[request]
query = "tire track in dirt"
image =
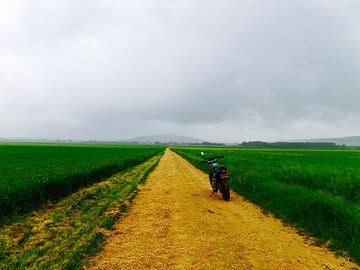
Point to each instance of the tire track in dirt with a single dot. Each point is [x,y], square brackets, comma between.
[174,224]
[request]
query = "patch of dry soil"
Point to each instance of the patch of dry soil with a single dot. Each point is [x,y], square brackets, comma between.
[174,224]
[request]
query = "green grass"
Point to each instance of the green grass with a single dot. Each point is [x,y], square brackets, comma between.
[30,175]
[317,190]
[64,235]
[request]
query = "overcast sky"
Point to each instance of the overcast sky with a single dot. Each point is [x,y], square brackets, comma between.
[218,70]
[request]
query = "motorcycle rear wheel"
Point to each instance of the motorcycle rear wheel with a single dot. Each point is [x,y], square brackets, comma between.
[225,191]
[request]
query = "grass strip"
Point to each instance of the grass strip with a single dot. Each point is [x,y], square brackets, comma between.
[63,235]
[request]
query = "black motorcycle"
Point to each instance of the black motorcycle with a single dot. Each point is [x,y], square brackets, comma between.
[218,176]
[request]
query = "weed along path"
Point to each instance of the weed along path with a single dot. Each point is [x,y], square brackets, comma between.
[174,224]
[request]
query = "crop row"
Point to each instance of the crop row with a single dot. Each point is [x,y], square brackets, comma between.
[30,175]
[66,234]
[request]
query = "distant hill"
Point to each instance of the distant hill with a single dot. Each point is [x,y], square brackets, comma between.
[348,141]
[166,139]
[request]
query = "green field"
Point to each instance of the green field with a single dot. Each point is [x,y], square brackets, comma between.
[33,174]
[317,190]
[65,234]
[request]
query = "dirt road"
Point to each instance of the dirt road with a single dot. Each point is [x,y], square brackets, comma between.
[174,224]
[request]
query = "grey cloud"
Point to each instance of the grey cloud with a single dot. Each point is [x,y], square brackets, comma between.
[254,70]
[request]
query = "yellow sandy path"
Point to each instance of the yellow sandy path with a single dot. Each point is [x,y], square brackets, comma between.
[174,224]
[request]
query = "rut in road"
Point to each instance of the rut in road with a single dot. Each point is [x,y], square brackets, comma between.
[174,224]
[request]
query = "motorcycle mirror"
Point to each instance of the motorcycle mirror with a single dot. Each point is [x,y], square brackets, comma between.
[202,153]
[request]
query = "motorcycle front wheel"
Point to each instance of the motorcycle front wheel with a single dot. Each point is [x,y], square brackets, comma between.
[213,183]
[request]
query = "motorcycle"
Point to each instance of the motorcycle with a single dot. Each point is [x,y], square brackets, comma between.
[218,176]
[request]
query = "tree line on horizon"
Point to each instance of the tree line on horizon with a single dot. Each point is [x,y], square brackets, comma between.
[306,145]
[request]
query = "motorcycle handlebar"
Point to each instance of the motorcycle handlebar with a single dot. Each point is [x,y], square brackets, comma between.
[213,159]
